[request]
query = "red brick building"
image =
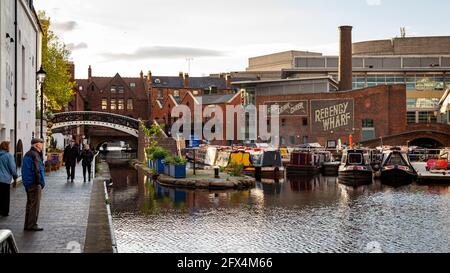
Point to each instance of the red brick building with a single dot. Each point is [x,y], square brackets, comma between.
[313,111]
[125,96]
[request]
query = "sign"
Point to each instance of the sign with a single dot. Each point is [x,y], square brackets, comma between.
[335,116]
[290,108]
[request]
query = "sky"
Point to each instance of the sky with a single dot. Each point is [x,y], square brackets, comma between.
[212,36]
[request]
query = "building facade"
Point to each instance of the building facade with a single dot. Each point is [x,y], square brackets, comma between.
[20,58]
[313,111]
[126,96]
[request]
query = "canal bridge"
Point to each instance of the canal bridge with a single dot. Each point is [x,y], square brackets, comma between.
[130,126]
[424,135]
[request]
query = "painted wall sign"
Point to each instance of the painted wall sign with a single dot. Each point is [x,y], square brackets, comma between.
[332,115]
[290,108]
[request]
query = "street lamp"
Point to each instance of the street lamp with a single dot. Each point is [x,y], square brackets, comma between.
[41,74]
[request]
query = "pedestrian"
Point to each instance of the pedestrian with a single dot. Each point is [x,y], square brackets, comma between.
[8,173]
[70,157]
[34,181]
[87,156]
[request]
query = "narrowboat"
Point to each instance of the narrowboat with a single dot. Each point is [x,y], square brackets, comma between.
[304,162]
[355,169]
[268,164]
[396,168]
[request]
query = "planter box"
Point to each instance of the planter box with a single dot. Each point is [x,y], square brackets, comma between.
[159,166]
[178,171]
[167,170]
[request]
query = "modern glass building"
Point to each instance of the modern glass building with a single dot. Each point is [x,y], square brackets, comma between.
[426,78]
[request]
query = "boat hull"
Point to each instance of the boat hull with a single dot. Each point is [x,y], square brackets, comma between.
[305,170]
[331,169]
[355,177]
[397,177]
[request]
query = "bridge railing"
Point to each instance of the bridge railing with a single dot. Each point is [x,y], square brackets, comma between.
[7,243]
[96,117]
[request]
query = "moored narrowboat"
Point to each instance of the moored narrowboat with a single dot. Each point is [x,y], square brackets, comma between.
[355,168]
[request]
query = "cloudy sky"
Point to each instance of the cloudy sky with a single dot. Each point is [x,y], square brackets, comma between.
[219,36]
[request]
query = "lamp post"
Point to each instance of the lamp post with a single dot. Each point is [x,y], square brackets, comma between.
[41,74]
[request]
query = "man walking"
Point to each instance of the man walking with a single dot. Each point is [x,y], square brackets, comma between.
[34,181]
[70,157]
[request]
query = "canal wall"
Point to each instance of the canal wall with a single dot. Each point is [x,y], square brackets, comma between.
[100,234]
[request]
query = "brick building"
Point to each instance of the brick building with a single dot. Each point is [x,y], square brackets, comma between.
[169,92]
[127,96]
[313,111]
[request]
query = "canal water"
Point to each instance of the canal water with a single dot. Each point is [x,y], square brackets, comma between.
[296,215]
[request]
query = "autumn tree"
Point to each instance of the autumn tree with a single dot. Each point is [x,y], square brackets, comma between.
[58,86]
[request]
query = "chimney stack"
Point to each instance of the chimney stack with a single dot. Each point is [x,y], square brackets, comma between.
[149,77]
[345,59]
[90,73]
[228,80]
[142,75]
[186,80]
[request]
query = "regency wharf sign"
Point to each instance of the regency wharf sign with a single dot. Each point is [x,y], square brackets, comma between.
[332,115]
[290,108]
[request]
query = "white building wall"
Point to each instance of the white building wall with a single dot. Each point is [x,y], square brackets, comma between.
[28,59]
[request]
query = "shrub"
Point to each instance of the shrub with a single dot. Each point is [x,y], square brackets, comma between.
[236,169]
[175,160]
[159,153]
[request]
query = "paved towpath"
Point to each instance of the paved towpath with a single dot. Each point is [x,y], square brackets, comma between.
[63,215]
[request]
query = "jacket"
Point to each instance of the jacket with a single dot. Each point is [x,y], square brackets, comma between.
[33,169]
[7,168]
[87,156]
[71,155]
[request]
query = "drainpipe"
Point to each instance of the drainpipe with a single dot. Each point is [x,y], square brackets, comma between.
[15,77]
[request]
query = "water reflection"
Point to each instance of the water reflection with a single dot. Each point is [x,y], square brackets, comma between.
[296,214]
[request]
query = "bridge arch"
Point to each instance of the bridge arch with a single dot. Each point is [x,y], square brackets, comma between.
[121,123]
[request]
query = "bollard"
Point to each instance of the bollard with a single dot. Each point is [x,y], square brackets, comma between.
[216,172]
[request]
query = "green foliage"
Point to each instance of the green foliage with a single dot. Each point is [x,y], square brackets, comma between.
[236,169]
[158,153]
[58,85]
[151,133]
[175,160]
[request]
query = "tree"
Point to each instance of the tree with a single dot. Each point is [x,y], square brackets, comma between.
[58,86]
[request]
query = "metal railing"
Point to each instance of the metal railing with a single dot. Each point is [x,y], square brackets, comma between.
[7,242]
[94,165]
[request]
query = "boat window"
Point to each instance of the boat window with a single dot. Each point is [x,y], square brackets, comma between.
[355,159]
[395,159]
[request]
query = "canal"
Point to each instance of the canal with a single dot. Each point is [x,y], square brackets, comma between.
[296,215]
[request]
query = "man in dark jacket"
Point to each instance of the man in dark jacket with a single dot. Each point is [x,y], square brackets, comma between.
[70,157]
[87,155]
[34,181]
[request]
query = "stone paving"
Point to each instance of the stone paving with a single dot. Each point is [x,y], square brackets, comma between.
[64,215]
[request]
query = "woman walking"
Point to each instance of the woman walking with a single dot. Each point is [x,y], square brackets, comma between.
[7,174]
[87,156]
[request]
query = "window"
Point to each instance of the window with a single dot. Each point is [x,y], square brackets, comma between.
[104,104]
[282,141]
[130,104]
[427,117]
[24,88]
[355,159]
[121,89]
[305,140]
[195,92]
[213,89]
[113,104]
[368,123]
[113,89]
[121,104]
[160,94]
[176,93]
[412,103]
[283,122]
[132,84]
[305,121]
[411,117]
[292,140]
